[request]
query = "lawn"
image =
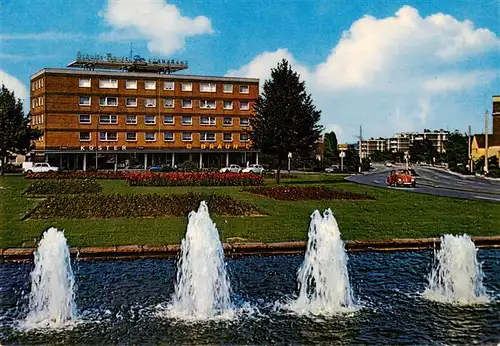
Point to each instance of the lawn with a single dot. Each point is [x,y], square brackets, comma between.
[394,214]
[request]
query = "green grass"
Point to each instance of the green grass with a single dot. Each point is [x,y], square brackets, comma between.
[394,214]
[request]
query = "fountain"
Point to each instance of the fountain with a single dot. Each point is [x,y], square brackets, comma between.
[51,301]
[457,276]
[323,278]
[202,287]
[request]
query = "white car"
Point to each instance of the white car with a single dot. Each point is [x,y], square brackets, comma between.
[231,168]
[40,167]
[257,169]
[332,168]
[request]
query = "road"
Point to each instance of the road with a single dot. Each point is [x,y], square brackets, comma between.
[438,182]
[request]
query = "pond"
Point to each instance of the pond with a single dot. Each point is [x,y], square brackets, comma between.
[120,301]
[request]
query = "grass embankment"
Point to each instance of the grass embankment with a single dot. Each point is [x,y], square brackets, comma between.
[394,214]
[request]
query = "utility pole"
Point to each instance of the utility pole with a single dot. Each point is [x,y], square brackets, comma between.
[469,152]
[486,142]
[360,151]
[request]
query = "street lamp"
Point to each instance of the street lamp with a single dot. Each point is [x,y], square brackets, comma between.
[486,142]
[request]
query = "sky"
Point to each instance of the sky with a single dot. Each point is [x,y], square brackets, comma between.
[388,66]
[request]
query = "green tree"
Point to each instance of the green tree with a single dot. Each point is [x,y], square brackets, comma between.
[423,151]
[16,135]
[286,120]
[331,152]
[456,150]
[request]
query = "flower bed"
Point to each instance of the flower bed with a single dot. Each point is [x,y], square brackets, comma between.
[99,206]
[78,175]
[67,186]
[194,179]
[294,193]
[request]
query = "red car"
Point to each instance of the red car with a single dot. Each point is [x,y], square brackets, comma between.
[401,178]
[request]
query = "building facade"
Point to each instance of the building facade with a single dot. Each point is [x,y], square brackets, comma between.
[478,146]
[102,118]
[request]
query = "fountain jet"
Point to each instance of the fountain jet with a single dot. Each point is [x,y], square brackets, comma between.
[323,279]
[52,297]
[202,289]
[457,276]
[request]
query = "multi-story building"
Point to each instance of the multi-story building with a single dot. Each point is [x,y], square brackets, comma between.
[114,112]
[402,141]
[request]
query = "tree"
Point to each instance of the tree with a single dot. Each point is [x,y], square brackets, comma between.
[16,135]
[286,120]
[423,151]
[331,152]
[456,150]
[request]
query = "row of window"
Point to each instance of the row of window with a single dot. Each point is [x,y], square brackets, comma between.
[168,136]
[112,101]
[167,120]
[110,83]
[37,101]
[37,84]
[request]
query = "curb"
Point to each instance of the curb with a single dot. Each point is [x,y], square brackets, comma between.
[235,250]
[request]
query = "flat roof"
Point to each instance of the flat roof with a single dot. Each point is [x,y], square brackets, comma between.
[126,74]
[167,66]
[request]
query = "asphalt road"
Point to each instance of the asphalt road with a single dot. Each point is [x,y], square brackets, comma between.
[437,182]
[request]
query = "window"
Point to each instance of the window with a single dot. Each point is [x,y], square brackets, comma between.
[168,85]
[131,102]
[243,137]
[108,83]
[207,121]
[227,121]
[131,119]
[168,120]
[84,136]
[187,136]
[207,137]
[108,136]
[208,87]
[41,83]
[131,136]
[187,86]
[244,122]
[150,102]
[228,88]
[168,103]
[244,105]
[149,120]
[150,84]
[187,121]
[227,137]
[228,105]
[168,136]
[244,89]
[108,119]
[207,104]
[150,136]
[187,103]
[84,119]
[131,84]
[84,100]
[32,86]
[108,101]
[84,83]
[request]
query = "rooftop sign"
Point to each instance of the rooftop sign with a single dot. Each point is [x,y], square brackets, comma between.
[132,63]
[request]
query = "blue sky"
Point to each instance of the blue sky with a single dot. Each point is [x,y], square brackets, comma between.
[387,65]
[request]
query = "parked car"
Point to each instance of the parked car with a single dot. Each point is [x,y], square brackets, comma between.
[255,168]
[30,167]
[388,164]
[401,178]
[231,168]
[332,168]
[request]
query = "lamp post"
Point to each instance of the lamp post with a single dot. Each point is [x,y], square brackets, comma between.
[486,142]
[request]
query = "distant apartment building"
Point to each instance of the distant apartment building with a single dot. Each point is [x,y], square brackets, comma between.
[403,141]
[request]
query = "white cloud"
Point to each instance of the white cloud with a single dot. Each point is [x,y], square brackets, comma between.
[15,85]
[156,21]
[393,74]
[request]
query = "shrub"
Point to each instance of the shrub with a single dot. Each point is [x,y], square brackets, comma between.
[99,206]
[78,175]
[294,193]
[67,186]
[194,179]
